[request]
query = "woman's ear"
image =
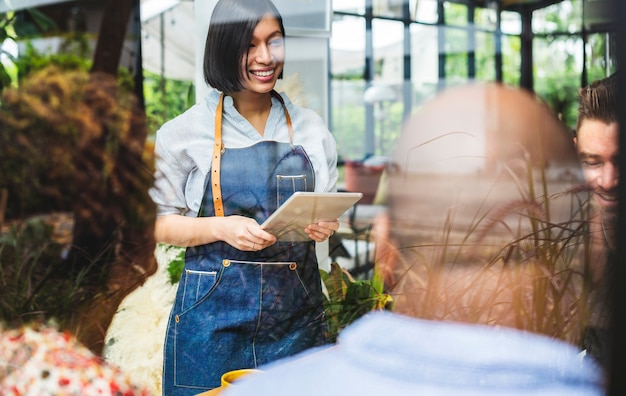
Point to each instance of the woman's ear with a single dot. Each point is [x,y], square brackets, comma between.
[386,253]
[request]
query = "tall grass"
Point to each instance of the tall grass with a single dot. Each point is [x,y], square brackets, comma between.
[518,255]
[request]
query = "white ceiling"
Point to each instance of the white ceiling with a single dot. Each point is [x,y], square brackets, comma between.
[175,55]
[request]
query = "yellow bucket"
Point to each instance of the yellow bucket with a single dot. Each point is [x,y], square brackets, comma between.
[230,377]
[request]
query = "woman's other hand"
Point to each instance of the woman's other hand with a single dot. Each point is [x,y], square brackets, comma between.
[322,231]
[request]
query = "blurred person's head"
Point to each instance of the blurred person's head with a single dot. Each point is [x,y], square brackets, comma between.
[483,225]
[597,143]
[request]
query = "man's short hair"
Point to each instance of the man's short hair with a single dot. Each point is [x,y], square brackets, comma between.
[598,101]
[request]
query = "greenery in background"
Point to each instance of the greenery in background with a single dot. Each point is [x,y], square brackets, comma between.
[32,60]
[165,99]
[514,262]
[71,144]
[12,28]
[557,69]
[34,278]
[348,299]
[74,51]
[177,264]
[348,123]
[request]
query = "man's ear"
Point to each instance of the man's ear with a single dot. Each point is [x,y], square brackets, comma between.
[575,142]
[386,254]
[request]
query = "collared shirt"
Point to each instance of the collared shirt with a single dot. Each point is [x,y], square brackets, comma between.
[184,146]
[389,354]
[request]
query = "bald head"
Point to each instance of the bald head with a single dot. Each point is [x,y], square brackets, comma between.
[481,210]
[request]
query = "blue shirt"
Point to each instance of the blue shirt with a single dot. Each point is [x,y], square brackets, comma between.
[184,146]
[389,354]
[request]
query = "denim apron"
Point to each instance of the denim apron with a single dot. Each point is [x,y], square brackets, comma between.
[236,309]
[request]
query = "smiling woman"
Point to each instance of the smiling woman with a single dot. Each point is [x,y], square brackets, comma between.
[264,148]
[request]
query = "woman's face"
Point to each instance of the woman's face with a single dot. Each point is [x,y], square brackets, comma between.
[265,58]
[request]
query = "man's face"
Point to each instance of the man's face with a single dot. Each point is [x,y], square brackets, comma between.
[597,145]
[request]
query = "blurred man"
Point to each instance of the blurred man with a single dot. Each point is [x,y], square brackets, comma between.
[482,250]
[597,144]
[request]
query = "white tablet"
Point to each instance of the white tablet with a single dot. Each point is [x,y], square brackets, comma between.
[287,223]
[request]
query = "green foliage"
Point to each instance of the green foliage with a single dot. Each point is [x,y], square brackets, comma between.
[348,127]
[177,264]
[165,99]
[349,299]
[561,94]
[44,128]
[12,28]
[513,262]
[35,282]
[32,60]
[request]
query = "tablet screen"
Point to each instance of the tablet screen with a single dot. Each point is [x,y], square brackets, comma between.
[287,223]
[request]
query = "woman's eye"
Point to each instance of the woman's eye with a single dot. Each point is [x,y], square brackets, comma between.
[276,42]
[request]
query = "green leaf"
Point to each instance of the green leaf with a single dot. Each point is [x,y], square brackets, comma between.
[5,79]
[191,95]
[42,20]
[349,299]
[176,266]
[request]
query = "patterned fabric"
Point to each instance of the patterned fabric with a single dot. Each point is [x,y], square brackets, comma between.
[44,361]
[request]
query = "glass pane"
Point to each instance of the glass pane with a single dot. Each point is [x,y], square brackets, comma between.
[456,14]
[485,18]
[388,8]
[456,47]
[348,117]
[485,57]
[511,60]
[389,76]
[565,16]
[601,54]
[388,37]
[424,62]
[510,22]
[347,46]
[557,77]
[424,10]
[351,6]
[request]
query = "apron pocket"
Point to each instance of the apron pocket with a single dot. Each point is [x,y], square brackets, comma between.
[250,313]
[196,285]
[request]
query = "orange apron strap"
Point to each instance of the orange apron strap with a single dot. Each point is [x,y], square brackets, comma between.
[218,149]
[287,116]
[215,164]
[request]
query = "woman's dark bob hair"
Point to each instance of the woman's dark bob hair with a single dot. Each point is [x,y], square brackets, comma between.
[230,31]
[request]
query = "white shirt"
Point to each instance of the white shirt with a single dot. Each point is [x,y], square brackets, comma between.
[184,146]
